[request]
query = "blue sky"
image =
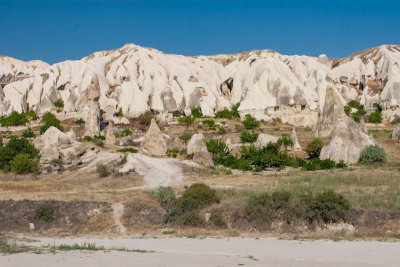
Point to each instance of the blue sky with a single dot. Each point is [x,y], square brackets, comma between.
[54,30]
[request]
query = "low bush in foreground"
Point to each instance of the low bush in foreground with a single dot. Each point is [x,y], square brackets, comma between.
[102,170]
[323,164]
[23,163]
[372,154]
[185,208]
[129,149]
[314,148]
[324,207]
[44,213]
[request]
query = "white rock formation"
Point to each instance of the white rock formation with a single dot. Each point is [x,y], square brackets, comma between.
[153,142]
[54,144]
[264,139]
[199,150]
[293,137]
[346,142]
[396,133]
[92,119]
[267,84]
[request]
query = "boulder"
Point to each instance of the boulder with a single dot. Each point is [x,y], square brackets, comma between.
[396,133]
[153,142]
[196,144]
[333,108]
[264,139]
[293,137]
[346,142]
[51,143]
[199,150]
[110,137]
[92,119]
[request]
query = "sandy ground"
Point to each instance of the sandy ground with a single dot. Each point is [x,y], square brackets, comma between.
[215,252]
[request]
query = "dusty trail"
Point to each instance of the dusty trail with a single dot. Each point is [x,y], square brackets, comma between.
[215,252]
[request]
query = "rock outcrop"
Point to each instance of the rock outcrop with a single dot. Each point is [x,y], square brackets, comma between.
[199,150]
[293,137]
[396,133]
[110,137]
[264,139]
[268,85]
[92,119]
[346,142]
[54,144]
[333,109]
[153,142]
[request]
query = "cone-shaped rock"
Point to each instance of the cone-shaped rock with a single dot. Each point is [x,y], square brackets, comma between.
[346,142]
[264,139]
[153,142]
[199,150]
[333,108]
[293,137]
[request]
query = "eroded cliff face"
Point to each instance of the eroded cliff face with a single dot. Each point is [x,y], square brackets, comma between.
[267,84]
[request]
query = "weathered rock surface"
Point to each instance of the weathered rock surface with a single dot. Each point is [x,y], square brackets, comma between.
[396,133]
[267,84]
[92,119]
[110,137]
[153,142]
[332,110]
[346,142]
[293,137]
[264,139]
[199,150]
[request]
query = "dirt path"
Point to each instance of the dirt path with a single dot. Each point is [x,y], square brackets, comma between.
[215,252]
[118,211]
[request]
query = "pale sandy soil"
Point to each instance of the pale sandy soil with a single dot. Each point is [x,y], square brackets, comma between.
[214,252]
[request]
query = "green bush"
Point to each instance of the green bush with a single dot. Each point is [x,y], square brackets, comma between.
[49,120]
[313,148]
[356,105]
[250,122]
[87,138]
[196,113]
[14,147]
[229,114]
[102,170]
[14,119]
[327,207]
[319,164]
[28,133]
[31,114]
[59,103]
[221,129]
[191,218]
[248,137]
[165,195]
[23,163]
[375,117]
[210,123]
[44,213]
[217,147]
[120,113]
[187,120]
[129,149]
[57,161]
[285,141]
[372,154]
[217,219]
[185,137]
[172,152]
[185,208]
[263,207]
[125,132]
[79,121]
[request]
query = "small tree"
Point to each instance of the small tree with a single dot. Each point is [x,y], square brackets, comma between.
[185,137]
[187,120]
[59,103]
[372,154]
[49,120]
[196,112]
[248,137]
[313,148]
[28,133]
[23,163]
[250,122]
[285,141]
